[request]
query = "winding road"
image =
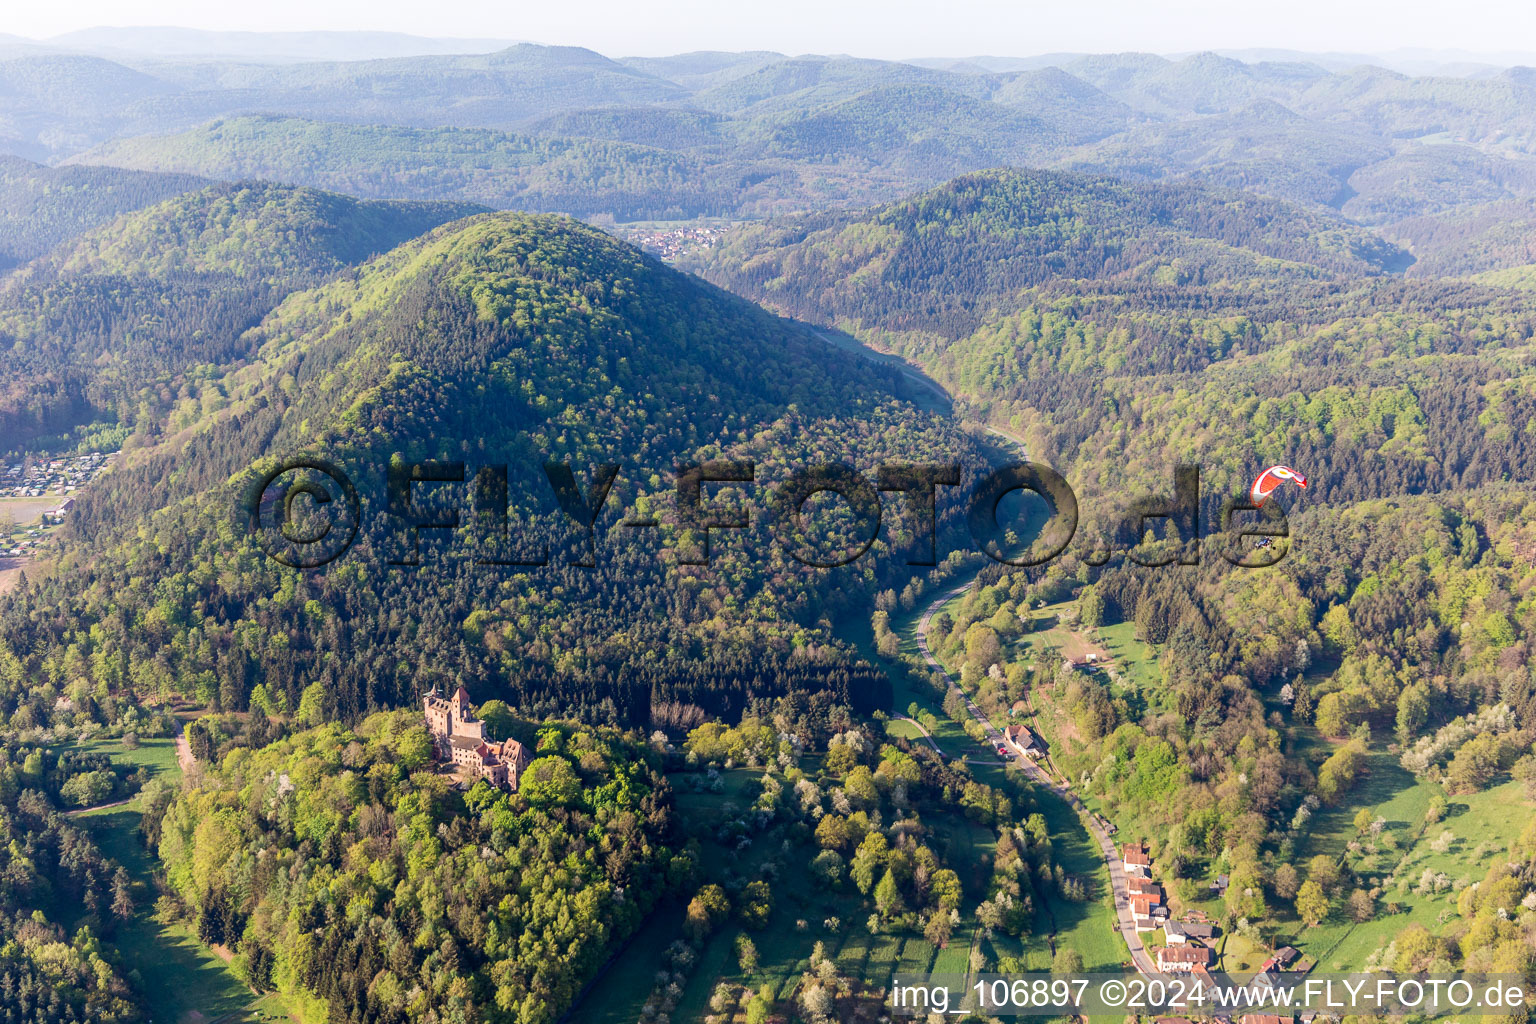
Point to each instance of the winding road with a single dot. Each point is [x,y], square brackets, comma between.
[1037,774]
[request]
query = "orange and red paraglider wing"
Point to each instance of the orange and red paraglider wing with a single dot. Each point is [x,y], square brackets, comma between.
[1270,479]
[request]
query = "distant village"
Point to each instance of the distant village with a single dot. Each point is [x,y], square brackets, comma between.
[671,243]
[39,477]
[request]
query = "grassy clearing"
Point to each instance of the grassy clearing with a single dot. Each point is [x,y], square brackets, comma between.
[854,953]
[717,958]
[855,629]
[966,847]
[157,755]
[739,787]
[903,729]
[27,511]
[177,974]
[165,961]
[1482,827]
[621,993]
[916,955]
[1239,954]
[1090,927]
[956,958]
[883,958]
[1136,659]
[11,570]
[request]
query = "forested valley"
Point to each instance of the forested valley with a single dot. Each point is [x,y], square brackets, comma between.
[765,761]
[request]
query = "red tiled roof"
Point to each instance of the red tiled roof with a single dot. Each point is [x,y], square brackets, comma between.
[1184,955]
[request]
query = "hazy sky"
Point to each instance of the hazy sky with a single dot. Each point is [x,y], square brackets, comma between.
[890,28]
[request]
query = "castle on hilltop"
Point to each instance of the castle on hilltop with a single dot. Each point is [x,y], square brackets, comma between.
[460,738]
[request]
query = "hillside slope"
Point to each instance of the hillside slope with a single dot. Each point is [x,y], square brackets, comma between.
[942,260]
[1121,328]
[138,301]
[40,207]
[509,339]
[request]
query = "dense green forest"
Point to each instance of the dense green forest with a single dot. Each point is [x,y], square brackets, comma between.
[340,870]
[498,339]
[41,207]
[1114,351]
[107,325]
[480,342]
[1232,335]
[761,781]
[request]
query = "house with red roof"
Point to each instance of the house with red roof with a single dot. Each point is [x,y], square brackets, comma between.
[1183,959]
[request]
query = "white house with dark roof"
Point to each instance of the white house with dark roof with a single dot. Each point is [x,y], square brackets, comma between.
[1179,932]
[1023,740]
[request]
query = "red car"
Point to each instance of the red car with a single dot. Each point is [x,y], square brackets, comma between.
[1003,751]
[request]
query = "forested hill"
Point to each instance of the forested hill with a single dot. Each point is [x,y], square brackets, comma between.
[551,129]
[251,229]
[942,261]
[40,207]
[511,170]
[1122,328]
[503,339]
[133,303]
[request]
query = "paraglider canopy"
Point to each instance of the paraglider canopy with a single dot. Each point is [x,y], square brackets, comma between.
[1272,478]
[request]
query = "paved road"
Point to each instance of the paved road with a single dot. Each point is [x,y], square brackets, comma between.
[1036,773]
[1039,776]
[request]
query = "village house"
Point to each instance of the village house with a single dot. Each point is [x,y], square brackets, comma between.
[1281,959]
[1176,933]
[57,515]
[1183,959]
[1022,739]
[1144,908]
[459,738]
[1144,896]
